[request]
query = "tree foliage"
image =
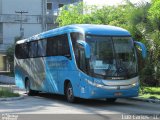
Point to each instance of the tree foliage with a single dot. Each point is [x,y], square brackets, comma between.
[74,15]
[154,14]
[81,13]
[10,54]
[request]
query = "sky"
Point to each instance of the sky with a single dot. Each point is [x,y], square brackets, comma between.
[111,2]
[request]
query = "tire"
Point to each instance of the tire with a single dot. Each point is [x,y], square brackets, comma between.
[69,93]
[111,100]
[28,89]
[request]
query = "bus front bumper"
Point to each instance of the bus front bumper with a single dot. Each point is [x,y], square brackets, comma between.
[100,92]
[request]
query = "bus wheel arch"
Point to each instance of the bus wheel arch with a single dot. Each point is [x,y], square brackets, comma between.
[27,85]
[28,88]
[68,91]
[26,80]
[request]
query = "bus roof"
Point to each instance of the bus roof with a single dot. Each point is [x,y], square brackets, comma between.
[84,28]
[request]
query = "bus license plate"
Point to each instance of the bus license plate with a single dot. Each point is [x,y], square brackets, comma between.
[118,94]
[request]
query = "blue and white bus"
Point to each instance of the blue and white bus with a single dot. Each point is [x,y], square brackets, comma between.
[79,61]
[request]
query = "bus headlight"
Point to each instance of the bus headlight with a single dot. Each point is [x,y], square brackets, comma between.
[135,84]
[98,83]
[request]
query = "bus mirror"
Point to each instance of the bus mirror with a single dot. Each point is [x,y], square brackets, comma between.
[86,48]
[143,47]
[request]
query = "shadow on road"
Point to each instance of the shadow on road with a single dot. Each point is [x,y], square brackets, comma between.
[121,105]
[86,102]
[53,104]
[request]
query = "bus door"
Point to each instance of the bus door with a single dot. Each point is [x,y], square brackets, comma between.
[83,66]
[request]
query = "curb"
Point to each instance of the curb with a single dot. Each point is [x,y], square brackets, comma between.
[146,100]
[12,98]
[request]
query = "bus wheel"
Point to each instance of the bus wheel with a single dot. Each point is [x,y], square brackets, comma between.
[28,89]
[111,100]
[69,93]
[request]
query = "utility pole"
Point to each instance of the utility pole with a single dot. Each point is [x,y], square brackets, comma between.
[21,22]
[44,14]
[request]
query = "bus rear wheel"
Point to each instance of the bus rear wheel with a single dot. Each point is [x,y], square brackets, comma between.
[111,100]
[69,93]
[28,89]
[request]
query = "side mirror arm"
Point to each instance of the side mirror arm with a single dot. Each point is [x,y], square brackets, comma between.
[86,48]
[143,47]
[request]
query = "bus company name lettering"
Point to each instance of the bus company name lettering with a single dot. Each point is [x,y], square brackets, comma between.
[57,64]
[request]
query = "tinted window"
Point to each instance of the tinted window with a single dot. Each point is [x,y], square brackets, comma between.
[33,49]
[21,51]
[52,45]
[76,36]
[63,46]
[42,48]
[58,45]
[61,5]
[49,6]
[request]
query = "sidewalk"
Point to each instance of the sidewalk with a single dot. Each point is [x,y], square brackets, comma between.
[7,80]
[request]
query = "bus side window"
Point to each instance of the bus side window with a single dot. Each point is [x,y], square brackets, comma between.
[21,51]
[52,44]
[42,48]
[74,37]
[58,46]
[63,46]
[33,49]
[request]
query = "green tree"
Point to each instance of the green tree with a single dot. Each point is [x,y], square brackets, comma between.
[154,16]
[73,14]
[10,55]
[145,22]
[81,13]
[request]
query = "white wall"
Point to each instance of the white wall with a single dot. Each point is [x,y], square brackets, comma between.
[10,31]
[33,7]
[0,6]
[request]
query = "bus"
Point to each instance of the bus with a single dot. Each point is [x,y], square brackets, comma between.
[80,61]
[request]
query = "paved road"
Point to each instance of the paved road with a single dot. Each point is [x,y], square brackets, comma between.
[55,104]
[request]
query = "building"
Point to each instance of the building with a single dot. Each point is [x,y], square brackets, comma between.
[24,18]
[52,9]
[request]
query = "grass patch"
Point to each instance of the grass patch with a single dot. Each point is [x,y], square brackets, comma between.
[6,92]
[150,92]
[146,96]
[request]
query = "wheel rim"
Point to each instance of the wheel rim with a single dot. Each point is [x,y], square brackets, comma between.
[70,93]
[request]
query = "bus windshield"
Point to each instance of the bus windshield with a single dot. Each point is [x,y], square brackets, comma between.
[113,57]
